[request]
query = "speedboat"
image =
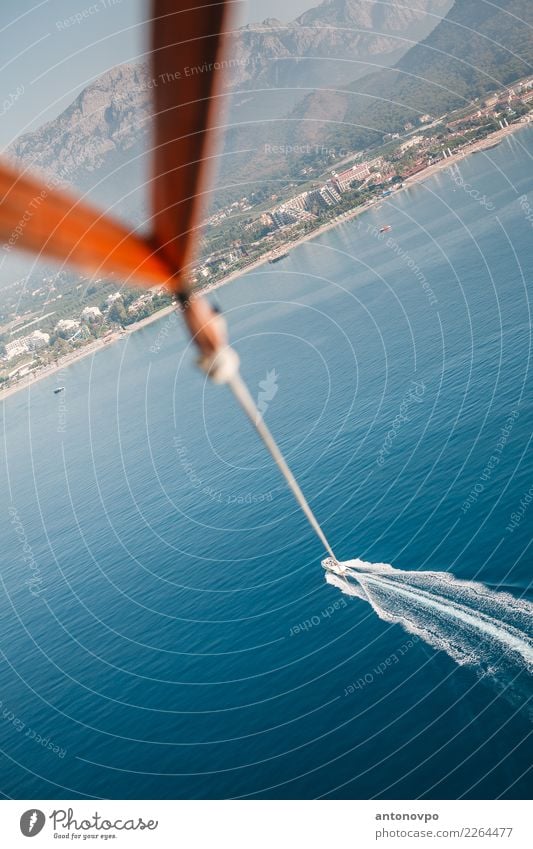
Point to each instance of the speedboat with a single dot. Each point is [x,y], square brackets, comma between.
[332,565]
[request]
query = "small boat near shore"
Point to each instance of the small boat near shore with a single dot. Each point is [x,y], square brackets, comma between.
[278,257]
[59,389]
[385,228]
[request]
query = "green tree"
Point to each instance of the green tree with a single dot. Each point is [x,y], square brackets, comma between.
[117,312]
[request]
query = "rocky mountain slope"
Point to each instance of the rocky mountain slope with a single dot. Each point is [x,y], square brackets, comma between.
[478,48]
[337,40]
[296,87]
[109,116]
[99,142]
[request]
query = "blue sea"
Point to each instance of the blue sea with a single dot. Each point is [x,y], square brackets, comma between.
[166,627]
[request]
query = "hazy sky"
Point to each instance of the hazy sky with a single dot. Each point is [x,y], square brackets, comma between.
[47,59]
[285,10]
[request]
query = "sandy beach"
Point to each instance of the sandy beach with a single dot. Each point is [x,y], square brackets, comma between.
[99,344]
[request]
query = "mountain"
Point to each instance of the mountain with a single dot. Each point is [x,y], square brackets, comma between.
[336,41]
[99,143]
[477,48]
[109,116]
[295,89]
[275,66]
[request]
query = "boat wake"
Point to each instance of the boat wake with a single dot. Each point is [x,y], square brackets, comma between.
[473,624]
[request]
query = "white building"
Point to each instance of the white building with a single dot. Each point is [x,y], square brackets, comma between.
[16,347]
[67,326]
[329,194]
[91,314]
[298,202]
[283,215]
[38,340]
[23,344]
[293,210]
[356,174]
[115,296]
[139,302]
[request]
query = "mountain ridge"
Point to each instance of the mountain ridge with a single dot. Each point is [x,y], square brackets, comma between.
[477,48]
[470,54]
[110,117]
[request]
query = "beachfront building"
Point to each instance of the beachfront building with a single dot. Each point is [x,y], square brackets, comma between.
[413,142]
[66,328]
[16,348]
[33,342]
[289,214]
[300,202]
[140,302]
[326,195]
[345,180]
[356,174]
[38,340]
[91,314]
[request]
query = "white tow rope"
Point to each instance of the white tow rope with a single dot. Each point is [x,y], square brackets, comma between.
[223,367]
[242,394]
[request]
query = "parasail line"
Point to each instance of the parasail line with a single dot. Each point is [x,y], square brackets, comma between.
[242,394]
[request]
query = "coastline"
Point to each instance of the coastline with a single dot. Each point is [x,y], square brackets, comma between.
[98,344]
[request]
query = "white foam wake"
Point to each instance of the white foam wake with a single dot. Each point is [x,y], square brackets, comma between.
[473,624]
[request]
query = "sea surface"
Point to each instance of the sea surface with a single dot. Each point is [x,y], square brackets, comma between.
[166,630]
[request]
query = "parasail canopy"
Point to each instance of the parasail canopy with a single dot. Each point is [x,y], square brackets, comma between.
[37,216]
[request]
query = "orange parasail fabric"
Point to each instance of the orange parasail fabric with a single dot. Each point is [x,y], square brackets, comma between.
[186,54]
[36,216]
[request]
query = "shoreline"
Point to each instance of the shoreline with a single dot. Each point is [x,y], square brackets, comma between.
[99,344]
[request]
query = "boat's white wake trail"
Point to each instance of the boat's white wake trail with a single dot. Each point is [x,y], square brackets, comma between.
[473,624]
